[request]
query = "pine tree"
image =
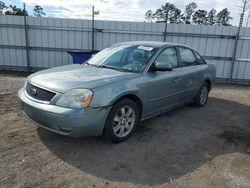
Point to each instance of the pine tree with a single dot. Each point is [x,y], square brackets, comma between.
[189,10]
[38,11]
[175,16]
[211,17]
[2,7]
[168,13]
[200,17]
[149,15]
[223,17]
[13,10]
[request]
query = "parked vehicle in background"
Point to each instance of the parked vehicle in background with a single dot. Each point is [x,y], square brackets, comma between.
[116,89]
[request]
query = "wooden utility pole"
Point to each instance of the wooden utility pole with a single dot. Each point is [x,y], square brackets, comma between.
[94,12]
[93,28]
[237,39]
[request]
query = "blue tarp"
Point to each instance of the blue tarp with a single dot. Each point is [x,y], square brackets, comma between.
[80,57]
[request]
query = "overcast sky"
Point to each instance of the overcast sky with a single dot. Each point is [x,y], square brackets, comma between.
[130,10]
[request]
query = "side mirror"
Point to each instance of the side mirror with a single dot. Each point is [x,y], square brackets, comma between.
[162,66]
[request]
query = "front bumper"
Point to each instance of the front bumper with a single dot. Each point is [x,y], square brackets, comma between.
[65,121]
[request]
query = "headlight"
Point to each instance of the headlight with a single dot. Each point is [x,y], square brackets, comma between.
[75,98]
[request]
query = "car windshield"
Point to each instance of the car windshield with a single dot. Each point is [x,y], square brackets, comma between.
[132,58]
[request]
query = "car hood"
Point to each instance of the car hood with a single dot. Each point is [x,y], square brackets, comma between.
[67,77]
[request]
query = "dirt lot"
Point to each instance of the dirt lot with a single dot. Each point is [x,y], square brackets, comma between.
[188,147]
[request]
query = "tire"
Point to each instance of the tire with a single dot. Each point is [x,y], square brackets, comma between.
[201,98]
[121,121]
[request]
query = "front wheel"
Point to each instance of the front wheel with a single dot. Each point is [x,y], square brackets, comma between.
[202,96]
[121,121]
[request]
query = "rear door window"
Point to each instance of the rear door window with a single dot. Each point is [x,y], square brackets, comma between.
[187,57]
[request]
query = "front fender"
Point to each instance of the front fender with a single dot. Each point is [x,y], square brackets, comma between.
[107,95]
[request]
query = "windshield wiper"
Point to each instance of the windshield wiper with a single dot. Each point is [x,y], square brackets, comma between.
[115,68]
[110,67]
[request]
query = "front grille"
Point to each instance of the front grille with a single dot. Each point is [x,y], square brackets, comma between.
[39,93]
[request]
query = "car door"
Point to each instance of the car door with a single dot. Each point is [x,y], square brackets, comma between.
[190,77]
[164,86]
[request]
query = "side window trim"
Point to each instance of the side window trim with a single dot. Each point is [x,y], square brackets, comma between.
[178,58]
[196,59]
[197,54]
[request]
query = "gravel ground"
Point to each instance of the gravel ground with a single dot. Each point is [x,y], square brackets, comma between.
[187,147]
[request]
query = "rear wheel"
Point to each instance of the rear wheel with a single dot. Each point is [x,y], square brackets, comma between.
[122,120]
[202,96]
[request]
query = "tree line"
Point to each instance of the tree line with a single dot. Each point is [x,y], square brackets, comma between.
[14,10]
[169,13]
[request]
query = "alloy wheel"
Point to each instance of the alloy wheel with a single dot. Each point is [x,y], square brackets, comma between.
[124,121]
[203,95]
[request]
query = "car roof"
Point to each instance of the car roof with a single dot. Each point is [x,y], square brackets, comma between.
[153,44]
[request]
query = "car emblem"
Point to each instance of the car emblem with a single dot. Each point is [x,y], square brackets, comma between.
[33,92]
